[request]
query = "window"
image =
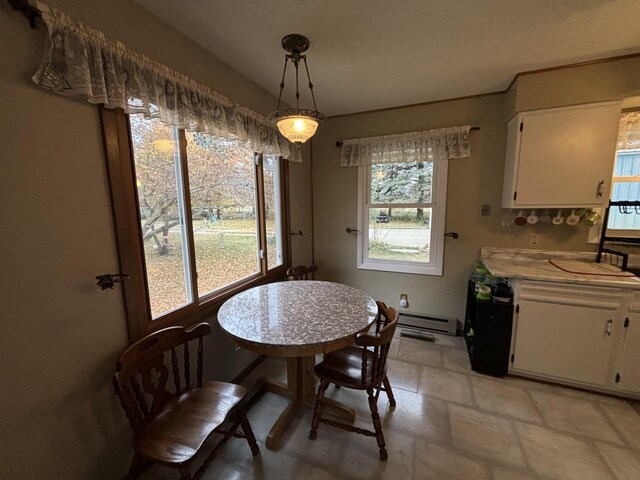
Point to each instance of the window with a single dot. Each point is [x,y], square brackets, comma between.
[198,218]
[401,214]
[625,184]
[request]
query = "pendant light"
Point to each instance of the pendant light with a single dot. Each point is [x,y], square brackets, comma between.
[296,124]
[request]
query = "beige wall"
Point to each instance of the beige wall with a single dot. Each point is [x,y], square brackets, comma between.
[472,182]
[61,335]
[614,80]
[300,191]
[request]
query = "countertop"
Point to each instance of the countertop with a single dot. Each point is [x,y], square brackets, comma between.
[537,265]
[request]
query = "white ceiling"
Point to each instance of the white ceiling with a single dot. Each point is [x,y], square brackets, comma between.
[374,54]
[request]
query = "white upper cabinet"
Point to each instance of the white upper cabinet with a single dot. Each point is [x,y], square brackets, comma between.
[561,157]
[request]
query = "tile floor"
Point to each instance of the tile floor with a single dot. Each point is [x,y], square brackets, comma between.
[450,423]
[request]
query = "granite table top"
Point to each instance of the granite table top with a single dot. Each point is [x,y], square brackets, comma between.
[542,265]
[294,314]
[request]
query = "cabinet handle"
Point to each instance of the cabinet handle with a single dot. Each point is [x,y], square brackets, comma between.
[609,327]
[600,189]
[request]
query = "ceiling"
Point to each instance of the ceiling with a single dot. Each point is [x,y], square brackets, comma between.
[373,54]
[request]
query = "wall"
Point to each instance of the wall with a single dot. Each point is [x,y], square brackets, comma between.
[61,335]
[612,80]
[472,181]
[300,193]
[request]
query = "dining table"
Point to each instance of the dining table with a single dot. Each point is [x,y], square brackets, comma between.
[297,320]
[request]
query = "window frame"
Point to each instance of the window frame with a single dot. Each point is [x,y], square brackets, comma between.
[628,233]
[595,232]
[437,224]
[126,212]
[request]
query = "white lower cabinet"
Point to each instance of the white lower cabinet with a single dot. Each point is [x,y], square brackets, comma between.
[576,334]
[629,379]
[564,341]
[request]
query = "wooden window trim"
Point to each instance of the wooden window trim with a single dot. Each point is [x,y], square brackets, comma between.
[119,155]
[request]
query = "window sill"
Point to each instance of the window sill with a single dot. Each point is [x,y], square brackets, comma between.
[191,314]
[399,267]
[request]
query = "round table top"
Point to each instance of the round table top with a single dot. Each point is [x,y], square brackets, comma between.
[297,317]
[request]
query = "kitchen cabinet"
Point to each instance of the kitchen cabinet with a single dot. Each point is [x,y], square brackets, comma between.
[561,157]
[567,332]
[628,378]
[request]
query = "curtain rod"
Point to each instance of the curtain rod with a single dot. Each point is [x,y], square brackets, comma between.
[472,129]
[31,13]
[27,10]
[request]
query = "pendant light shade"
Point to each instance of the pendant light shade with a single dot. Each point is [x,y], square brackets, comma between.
[298,128]
[296,124]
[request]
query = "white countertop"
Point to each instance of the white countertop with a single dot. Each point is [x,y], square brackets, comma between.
[536,265]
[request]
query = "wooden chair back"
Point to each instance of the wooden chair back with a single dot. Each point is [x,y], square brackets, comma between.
[143,371]
[301,272]
[382,319]
[374,361]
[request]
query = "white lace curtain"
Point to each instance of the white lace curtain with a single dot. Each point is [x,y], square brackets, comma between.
[428,145]
[629,133]
[79,60]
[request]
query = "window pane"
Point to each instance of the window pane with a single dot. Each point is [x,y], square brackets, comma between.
[401,182]
[161,200]
[624,191]
[627,165]
[400,234]
[223,204]
[271,173]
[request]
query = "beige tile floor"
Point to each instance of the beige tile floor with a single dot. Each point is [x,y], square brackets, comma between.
[450,423]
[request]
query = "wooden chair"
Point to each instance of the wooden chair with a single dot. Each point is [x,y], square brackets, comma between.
[363,367]
[301,272]
[172,419]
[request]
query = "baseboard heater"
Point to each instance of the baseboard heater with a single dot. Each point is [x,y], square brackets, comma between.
[429,323]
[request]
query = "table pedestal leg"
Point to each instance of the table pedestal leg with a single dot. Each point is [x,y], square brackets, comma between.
[339,409]
[300,389]
[309,389]
[293,390]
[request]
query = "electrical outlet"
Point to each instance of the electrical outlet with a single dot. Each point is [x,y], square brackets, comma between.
[534,239]
[404,300]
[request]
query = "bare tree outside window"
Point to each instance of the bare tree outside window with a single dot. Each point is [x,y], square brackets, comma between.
[399,213]
[222,190]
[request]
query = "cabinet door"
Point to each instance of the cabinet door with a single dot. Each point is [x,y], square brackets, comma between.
[630,367]
[565,341]
[563,157]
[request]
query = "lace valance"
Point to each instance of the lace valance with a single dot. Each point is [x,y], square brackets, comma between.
[629,133]
[79,60]
[428,145]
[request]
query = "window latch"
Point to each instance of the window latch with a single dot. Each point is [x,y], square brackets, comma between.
[108,280]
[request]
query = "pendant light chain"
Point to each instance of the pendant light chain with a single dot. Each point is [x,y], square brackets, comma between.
[296,124]
[284,72]
[296,60]
[315,107]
